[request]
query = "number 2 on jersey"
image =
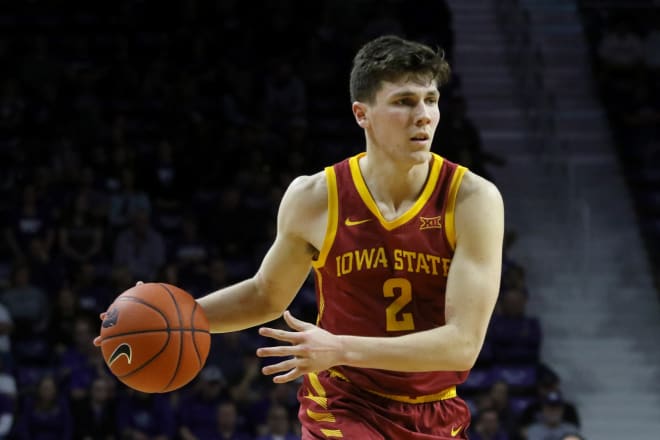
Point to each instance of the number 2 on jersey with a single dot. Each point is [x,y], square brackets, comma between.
[391,287]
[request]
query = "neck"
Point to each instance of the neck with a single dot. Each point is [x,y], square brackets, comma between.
[393,185]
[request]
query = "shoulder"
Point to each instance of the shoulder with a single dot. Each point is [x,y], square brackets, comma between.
[479,212]
[304,201]
[306,194]
[474,186]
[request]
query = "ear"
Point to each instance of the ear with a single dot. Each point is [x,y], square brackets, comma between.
[360,111]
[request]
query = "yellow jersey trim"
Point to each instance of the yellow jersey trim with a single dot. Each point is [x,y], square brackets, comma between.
[333,218]
[336,433]
[450,229]
[363,190]
[319,280]
[447,393]
[321,416]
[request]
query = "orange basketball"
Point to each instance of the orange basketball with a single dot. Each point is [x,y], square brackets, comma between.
[155,337]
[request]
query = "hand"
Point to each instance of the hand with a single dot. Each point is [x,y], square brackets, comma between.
[97,340]
[312,349]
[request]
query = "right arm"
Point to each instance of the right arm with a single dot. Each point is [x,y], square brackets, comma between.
[266,295]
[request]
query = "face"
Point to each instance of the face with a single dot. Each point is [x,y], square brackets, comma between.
[47,389]
[401,121]
[489,423]
[552,414]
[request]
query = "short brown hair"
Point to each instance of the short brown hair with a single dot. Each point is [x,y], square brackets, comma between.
[390,58]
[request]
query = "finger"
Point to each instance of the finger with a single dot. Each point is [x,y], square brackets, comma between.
[103,315]
[279,351]
[290,376]
[97,341]
[280,366]
[280,335]
[139,283]
[295,323]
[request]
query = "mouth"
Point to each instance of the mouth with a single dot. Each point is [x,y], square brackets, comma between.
[420,137]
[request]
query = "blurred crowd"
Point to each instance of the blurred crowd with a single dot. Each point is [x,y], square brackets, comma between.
[144,142]
[625,53]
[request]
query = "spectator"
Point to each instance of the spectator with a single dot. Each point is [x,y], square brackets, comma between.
[144,416]
[165,184]
[62,325]
[652,48]
[80,237]
[6,328]
[197,412]
[516,338]
[279,396]
[128,201]
[487,426]
[46,269]
[190,251]
[82,363]
[30,220]
[551,425]
[620,49]
[572,436]
[285,95]
[6,416]
[499,397]
[93,294]
[548,383]
[46,416]
[228,424]
[140,248]
[27,304]
[277,425]
[95,416]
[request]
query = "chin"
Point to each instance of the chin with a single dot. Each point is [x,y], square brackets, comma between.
[419,156]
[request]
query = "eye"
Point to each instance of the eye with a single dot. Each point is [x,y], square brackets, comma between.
[431,100]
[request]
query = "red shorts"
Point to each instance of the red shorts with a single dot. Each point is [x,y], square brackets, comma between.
[333,408]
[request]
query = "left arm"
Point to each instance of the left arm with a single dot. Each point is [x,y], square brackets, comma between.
[472,289]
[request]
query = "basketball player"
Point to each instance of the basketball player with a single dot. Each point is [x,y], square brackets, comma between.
[406,248]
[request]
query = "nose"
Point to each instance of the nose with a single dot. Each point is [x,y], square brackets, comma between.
[422,115]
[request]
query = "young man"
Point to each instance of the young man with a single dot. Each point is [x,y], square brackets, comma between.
[406,249]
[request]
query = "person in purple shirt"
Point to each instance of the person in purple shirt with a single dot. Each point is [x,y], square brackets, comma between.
[516,337]
[45,416]
[278,425]
[96,416]
[142,416]
[227,427]
[487,426]
[197,411]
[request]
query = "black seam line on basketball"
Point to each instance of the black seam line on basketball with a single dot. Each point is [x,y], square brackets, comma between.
[192,323]
[144,303]
[167,330]
[178,312]
[148,361]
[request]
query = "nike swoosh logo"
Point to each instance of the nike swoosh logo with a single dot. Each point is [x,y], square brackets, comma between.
[454,432]
[122,349]
[350,222]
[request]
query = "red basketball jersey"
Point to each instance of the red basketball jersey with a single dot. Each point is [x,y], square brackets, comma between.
[376,277]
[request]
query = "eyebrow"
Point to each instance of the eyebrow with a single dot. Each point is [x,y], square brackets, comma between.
[406,93]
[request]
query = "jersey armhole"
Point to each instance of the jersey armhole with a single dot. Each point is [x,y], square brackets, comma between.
[333,215]
[450,230]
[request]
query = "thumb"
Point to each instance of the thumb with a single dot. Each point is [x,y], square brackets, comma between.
[296,323]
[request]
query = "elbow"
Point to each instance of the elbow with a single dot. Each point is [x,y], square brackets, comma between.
[467,351]
[468,358]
